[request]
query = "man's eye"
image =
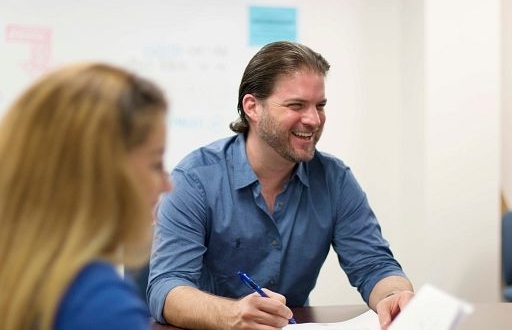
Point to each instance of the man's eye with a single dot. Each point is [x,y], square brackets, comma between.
[295,106]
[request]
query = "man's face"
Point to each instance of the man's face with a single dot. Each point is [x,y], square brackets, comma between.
[292,117]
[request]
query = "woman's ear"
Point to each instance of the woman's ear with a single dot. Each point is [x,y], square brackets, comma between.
[250,104]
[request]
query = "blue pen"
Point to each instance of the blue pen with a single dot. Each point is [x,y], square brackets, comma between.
[251,284]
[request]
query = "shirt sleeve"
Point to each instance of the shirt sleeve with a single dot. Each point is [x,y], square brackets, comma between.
[179,241]
[362,251]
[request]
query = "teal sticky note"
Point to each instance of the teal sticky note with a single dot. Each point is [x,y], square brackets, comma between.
[268,24]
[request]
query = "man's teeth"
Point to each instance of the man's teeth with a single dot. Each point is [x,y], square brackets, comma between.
[303,135]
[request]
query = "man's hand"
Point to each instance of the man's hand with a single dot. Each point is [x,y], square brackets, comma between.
[389,307]
[190,308]
[256,312]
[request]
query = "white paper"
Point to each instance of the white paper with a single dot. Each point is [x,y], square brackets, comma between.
[366,321]
[431,309]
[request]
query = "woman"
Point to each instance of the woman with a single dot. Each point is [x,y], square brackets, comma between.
[81,168]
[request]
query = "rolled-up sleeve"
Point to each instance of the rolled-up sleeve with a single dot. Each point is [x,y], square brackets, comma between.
[180,217]
[363,253]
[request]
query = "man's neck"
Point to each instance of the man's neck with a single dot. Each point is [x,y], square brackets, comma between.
[272,170]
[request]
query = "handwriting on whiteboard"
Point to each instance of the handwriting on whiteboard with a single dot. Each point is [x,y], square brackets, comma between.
[39,40]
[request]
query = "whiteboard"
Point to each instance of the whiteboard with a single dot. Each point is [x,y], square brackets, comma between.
[195,50]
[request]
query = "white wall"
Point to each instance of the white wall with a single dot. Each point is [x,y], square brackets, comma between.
[506,127]
[428,141]
[414,106]
[463,112]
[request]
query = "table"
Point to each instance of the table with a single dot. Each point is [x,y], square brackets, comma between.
[488,316]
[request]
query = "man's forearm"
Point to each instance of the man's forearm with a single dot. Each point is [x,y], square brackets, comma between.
[387,286]
[191,308]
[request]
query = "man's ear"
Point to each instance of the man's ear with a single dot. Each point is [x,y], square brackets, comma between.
[250,104]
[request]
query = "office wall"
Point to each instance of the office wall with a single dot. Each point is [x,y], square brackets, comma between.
[441,212]
[414,105]
[463,121]
[428,150]
[506,127]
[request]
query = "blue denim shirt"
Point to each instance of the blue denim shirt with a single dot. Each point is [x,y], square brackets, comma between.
[215,222]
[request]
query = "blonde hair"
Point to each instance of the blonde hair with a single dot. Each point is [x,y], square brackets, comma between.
[67,193]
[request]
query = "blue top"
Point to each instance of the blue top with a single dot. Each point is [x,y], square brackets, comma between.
[215,222]
[98,299]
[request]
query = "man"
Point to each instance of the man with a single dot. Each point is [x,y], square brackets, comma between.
[267,203]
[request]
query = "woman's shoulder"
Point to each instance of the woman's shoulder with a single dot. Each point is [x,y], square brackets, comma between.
[99,298]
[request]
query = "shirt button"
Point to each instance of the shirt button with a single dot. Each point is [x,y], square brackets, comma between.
[272,282]
[275,242]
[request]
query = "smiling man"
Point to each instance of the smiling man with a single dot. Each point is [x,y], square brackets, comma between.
[266,202]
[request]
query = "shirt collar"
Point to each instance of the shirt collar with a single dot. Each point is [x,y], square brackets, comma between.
[242,172]
[301,173]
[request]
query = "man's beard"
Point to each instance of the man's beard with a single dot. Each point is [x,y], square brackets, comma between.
[278,140]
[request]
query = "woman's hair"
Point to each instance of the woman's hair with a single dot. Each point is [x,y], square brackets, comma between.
[271,62]
[67,192]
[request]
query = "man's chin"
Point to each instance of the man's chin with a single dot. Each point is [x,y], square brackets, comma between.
[298,158]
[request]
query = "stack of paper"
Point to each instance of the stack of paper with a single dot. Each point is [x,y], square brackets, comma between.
[430,309]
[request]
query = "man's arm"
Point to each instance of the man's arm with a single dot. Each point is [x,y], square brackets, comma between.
[389,296]
[191,308]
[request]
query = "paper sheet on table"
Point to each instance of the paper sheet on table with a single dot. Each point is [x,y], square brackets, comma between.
[431,309]
[366,321]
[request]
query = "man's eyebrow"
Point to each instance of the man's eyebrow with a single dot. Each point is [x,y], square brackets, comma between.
[299,100]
